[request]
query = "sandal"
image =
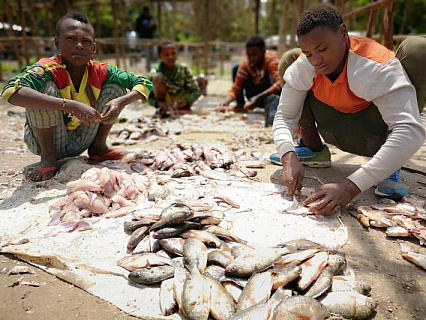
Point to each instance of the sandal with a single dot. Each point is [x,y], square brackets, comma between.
[44,171]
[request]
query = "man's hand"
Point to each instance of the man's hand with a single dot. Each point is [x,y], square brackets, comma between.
[252,103]
[293,173]
[224,106]
[330,198]
[86,114]
[111,111]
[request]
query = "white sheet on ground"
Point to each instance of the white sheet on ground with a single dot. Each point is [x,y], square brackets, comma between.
[88,258]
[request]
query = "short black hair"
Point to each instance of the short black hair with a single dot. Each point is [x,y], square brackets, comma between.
[319,16]
[75,15]
[164,44]
[255,41]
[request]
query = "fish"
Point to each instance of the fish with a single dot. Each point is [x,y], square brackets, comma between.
[349,304]
[283,276]
[296,258]
[222,258]
[398,232]
[143,260]
[174,231]
[215,272]
[321,284]
[151,275]
[130,226]
[179,279]
[238,250]
[300,245]
[256,261]
[194,255]
[196,297]
[233,289]
[300,307]
[136,237]
[224,234]
[311,269]
[222,305]
[261,310]
[172,245]
[409,253]
[258,288]
[174,218]
[168,303]
[204,236]
[341,283]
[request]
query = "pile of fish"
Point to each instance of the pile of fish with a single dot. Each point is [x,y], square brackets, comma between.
[403,219]
[99,191]
[253,139]
[214,161]
[151,129]
[204,270]
[137,129]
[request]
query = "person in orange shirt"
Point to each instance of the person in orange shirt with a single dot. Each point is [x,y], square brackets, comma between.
[358,96]
[256,78]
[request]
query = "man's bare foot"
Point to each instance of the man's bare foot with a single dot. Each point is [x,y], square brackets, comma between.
[105,153]
[39,173]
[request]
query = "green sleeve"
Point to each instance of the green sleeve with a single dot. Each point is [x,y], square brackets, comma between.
[192,85]
[33,77]
[129,81]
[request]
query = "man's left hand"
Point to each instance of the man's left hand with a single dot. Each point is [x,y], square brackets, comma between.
[330,198]
[111,111]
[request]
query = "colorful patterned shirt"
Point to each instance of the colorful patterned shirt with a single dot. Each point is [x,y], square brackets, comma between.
[270,64]
[180,83]
[96,74]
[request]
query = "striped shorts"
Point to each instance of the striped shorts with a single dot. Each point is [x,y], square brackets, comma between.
[67,143]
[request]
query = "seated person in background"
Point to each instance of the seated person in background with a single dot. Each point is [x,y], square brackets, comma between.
[72,101]
[175,88]
[256,78]
[361,98]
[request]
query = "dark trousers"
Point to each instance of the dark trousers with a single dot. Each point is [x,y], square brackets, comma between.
[250,89]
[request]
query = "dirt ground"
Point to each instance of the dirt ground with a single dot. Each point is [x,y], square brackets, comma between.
[398,286]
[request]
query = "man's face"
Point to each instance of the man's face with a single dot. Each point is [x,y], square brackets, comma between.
[255,56]
[75,42]
[325,49]
[168,55]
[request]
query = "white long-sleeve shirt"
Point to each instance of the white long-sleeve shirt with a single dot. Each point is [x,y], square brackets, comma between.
[371,74]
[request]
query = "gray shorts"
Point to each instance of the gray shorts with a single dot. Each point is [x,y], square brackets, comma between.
[67,143]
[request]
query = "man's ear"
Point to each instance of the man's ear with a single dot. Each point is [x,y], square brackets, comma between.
[95,47]
[56,42]
[343,30]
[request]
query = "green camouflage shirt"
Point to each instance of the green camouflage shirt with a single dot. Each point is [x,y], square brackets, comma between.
[179,83]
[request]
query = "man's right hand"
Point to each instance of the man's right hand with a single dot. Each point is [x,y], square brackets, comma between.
[86,114]
[293,173]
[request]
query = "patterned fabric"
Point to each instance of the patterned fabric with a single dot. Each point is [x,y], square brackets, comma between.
[67,143]
[270,64]
[180,83]
[96,75]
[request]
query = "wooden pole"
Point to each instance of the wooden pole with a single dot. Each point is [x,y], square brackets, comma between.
[367,8]
[206,36]
[256,16]
[388,26]
[222,68]
[114,30]
[34,28]
[159,26]
[123,25]
[9,14]
[24,42]
[273,22]
[371,22]
[282,45]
